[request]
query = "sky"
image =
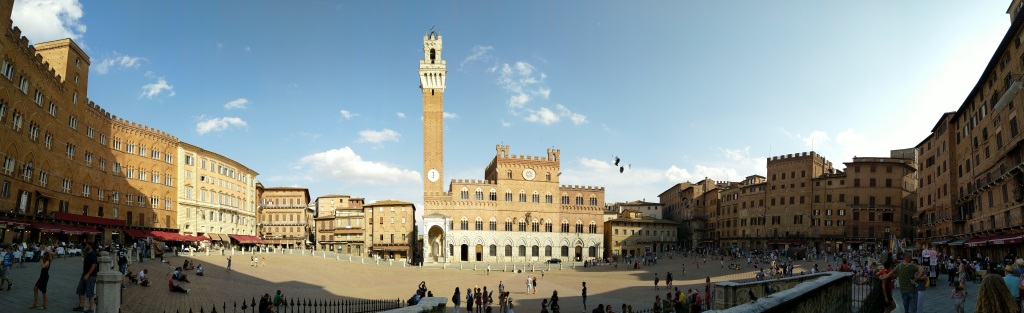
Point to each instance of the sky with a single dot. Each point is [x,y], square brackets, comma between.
[325,94]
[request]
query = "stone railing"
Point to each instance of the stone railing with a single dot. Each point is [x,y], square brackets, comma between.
[824,292]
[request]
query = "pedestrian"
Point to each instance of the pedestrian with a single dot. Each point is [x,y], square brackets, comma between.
[994,297]
[958,295]
[7,263]
[554,300]
[584,292]
[907,274]
[668,279]
[44,278]
[529,285]
[1012,283]
[488,269]
[469,300]
[655,281]
[87,284]
[229,263]
[533,281]
[457,299]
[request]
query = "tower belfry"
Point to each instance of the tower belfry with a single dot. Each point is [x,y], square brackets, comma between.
[432,75]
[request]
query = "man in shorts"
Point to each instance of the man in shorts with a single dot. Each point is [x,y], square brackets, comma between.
[5,273]
[87,283]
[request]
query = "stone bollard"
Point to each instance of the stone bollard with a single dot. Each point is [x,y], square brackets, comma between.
[207,251]
[108,286]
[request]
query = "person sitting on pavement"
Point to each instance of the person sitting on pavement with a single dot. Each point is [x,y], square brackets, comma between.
[142,278]
[179,276]
[199,270]
[175,288]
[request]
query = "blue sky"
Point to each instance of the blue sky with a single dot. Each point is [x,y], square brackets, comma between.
[324,94]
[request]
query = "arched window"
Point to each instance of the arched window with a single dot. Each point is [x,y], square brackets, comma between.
[464,223]
[536,251]
[522,225]
[508,250]
[536,197]
[479,194]
[494,195]
[508,195]
[565,226]
[547,227]
[433,56]
[565,199]
[465,194]
[547,198]
[579,227]
[479,223]
[535,226]
[593,227]
[493,224]
[593,200]
[509,175]
[579,200]
[522,196]
[548,177]
[508,225]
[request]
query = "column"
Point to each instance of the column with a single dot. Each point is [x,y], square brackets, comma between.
[108,286]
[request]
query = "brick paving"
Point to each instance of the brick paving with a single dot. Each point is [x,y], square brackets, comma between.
[317,277]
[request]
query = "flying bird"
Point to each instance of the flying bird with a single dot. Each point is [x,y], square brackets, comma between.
[616,161]
[621,169]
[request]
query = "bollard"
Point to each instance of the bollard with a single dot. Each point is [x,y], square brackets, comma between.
[108,286]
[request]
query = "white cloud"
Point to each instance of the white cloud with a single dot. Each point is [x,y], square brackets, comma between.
[400,115]
[236,104]
[346,114]
[505,123]
[543,116]
[154,89]
[518,101]
[378,137]
[42,21]
[676,174]
[576,118]
[449,115]
[207,125]
[118,60]
[344,164]
[477,53]
[518,79]
[595,164]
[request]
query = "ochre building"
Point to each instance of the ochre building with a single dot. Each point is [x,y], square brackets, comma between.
[216,195]
[284,215]
[517,212]
[339,224]
[390,231]
[71,170]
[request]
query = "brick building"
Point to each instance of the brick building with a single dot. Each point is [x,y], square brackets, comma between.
[390,231]
[284,216]
[339,224]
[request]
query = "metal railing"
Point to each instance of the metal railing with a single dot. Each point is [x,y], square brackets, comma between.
[303,306]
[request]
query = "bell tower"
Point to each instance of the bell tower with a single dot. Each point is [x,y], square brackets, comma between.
[432,74]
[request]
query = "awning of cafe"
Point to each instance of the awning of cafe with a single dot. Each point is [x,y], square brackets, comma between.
[957,242]
[941,242]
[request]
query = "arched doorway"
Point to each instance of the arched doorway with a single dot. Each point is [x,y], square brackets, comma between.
[464,256]
[579,253]
[436,237]
[479,252]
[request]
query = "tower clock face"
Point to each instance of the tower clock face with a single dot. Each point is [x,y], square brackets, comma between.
[529,174]
[433,175]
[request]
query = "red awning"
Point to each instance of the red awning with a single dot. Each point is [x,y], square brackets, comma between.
[136,233]
[977,242]
[1006,239]
[70,230]
[201,238]
[166,236]
[89,230]
[46,227]
[64,216]
[11,224]
[785,242]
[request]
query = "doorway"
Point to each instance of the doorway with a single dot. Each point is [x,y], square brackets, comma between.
[579,253]
[479,253]
[465,252]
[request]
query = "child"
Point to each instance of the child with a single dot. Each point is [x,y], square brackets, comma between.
[958,296]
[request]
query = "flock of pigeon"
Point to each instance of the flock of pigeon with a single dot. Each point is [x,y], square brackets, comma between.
[622,168]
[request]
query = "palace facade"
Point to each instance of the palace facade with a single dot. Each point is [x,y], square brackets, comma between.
[517,212]
[216,195]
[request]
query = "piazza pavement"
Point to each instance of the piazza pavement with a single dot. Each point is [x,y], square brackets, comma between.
[330,276]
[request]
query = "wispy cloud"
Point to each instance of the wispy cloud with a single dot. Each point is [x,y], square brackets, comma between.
[400,115]
[118,61]
[157,88]
[239,103]
[543,116]
[576,118]
[345,165]
[207,124]
[42,21]
[348,115]
[477,53]
[449,115]
[378,136]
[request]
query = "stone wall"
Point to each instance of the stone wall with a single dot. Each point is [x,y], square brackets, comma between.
[825,292]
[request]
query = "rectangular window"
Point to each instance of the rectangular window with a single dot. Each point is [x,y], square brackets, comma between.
[72,122]
[90,132]
[38,99]
[23,85]
[53,109]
